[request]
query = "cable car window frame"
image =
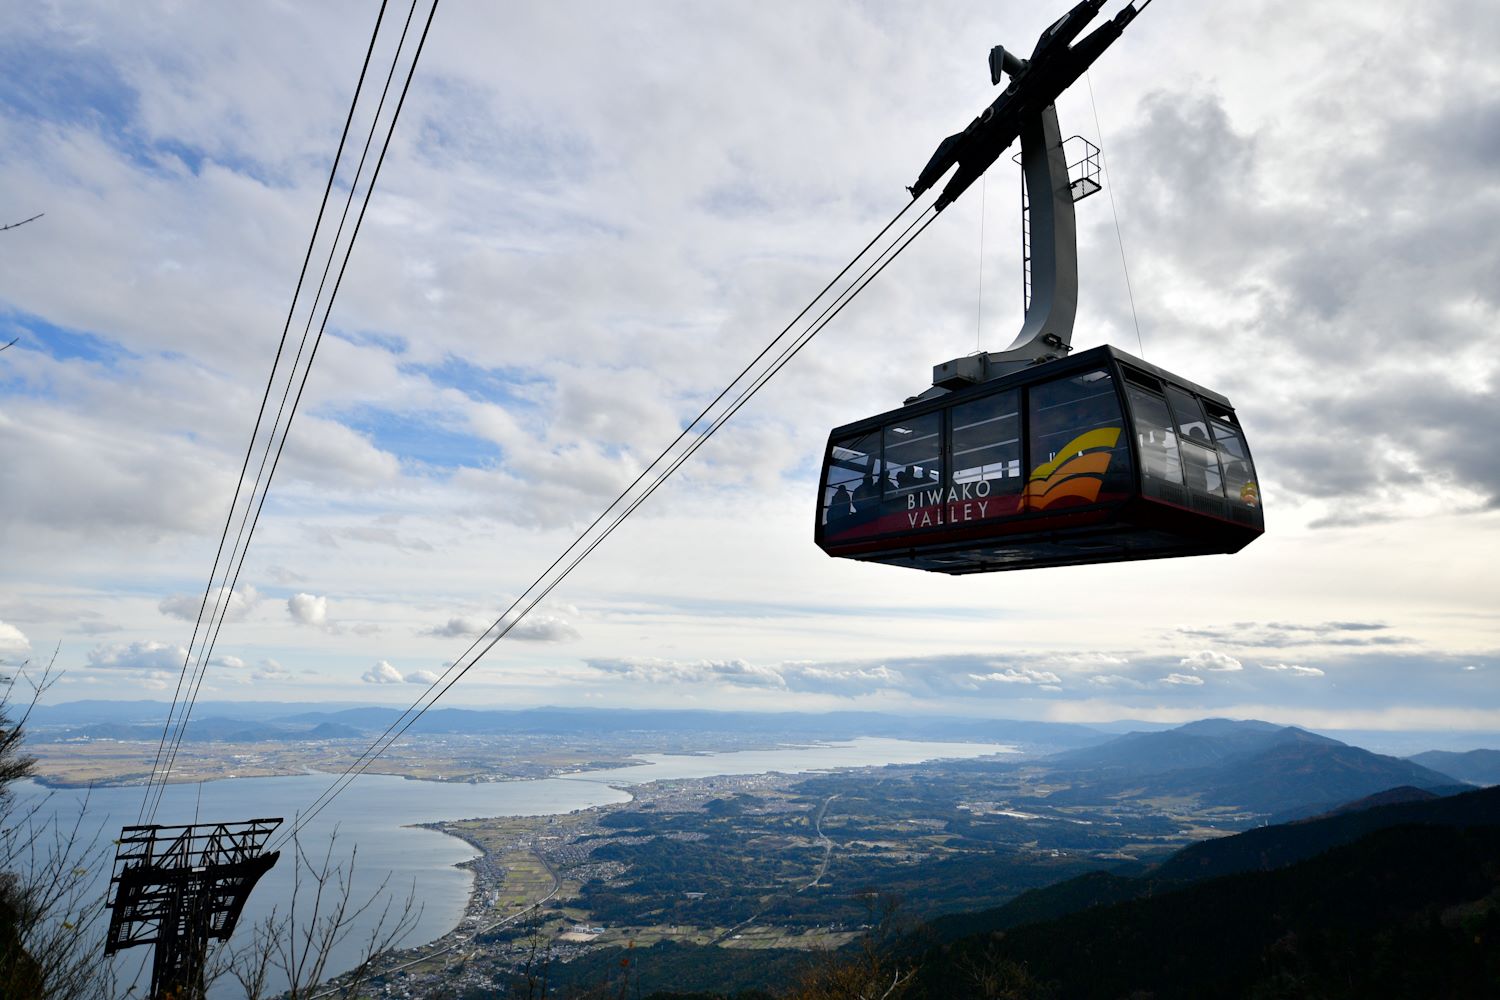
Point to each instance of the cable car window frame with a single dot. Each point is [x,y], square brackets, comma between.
[1225,427]
[830,488]
[1117,471]
[1010,471]
[1198,455]
[1136,393]
[890,488]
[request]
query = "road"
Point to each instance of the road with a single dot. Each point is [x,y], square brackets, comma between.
[827,844]
[822,810]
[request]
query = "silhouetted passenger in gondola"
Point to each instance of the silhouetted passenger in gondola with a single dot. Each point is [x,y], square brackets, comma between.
[866,498]
[1236,475]
[838,507]
[1202,470]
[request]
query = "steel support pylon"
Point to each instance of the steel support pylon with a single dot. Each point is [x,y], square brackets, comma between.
[179,887]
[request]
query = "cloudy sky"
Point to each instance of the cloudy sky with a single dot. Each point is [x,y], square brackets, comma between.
[593,214]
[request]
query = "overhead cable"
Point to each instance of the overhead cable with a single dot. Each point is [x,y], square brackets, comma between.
[629,499]
[260,416]
[251,520]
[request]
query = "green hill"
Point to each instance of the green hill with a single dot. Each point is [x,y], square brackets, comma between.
[1479,767]
[1409,911]
[1250,765]
[1396,900]
[1261,849]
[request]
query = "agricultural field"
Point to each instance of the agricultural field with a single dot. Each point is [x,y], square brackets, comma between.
[775,861]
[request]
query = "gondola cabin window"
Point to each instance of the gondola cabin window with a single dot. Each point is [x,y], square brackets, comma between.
[1200,458]
[987,457]
[851,487]
[1079,452]
[1240,485]
[1155,435]
[913,462]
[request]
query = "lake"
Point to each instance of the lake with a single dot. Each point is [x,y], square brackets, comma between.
[370,824]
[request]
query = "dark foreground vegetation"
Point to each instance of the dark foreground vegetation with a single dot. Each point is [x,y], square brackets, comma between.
[52,917]
[44,905]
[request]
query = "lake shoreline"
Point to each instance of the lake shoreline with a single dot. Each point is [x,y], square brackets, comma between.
[139,779]
[393,822]
[485,866]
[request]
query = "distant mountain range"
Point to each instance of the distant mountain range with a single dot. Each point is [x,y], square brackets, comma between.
[1281,771]
[205,730]
[223,722]
[1478,767]
[79,713]
[1205,743]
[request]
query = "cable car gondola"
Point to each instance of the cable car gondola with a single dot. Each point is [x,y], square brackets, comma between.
[1027,457]
[1098,458]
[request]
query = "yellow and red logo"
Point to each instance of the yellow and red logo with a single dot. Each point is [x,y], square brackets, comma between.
[1077,473]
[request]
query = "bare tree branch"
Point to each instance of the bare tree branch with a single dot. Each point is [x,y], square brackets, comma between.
[50,903]
[299,946]
[23,222]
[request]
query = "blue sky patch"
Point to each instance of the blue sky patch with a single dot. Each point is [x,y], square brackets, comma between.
[390,342]
[68,87]
[419,439]
[81,88]
[60,343]
[502,386]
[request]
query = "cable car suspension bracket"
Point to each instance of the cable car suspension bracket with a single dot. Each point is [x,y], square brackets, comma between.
[1027,111]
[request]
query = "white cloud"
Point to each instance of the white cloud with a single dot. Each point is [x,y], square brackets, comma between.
[659,671]
[1208,659]
[840,679]
[1092,661]
[372,534]
[13,642]
[158,680]
[270,670]
[422,677]
[145,655]
[462,626]
[382,673]
[1014,675]
[535,627]
[1116,680]
[325,451]
[286,577]
[1189,680]
[97,627]
[307,609]
[1293,669]
[232,662]
[186,606]
[543,628]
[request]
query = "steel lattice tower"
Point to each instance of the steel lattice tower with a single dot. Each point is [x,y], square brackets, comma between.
[178,887]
